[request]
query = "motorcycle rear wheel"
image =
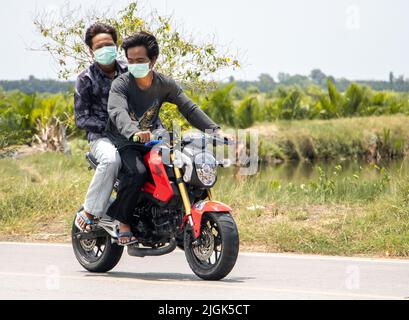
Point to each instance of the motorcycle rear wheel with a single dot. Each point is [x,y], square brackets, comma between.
[216,254]
[97,255]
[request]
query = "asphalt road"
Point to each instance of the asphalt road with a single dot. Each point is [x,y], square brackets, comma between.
[50,271]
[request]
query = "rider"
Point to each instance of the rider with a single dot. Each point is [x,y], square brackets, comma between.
[90,108]
[134,103]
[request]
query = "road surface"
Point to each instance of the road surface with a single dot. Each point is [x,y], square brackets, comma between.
[50,271]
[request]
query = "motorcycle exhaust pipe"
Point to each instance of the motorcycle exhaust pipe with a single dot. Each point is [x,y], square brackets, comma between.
[134,251]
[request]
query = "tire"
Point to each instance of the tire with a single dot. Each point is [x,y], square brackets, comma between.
[108,259]
[227,239]
[180,241]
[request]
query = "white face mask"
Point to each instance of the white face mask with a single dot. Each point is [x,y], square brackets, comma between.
[106,55]
[139,70]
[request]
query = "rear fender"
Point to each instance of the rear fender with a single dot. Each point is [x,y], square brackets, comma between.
[200,208]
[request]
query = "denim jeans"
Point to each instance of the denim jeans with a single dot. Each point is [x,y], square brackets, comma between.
[99,192]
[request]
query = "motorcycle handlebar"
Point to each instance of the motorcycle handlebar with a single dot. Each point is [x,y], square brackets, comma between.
[221,140]
[215,139]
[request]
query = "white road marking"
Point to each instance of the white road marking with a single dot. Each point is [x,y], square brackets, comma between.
[249,254]
[207,285]
[36,244]
[321,257]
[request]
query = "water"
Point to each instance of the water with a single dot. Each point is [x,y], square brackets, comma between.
[304,172]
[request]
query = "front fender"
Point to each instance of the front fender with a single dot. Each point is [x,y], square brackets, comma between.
[200,208]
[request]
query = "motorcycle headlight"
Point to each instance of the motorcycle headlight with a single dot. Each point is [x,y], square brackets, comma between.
[206,169]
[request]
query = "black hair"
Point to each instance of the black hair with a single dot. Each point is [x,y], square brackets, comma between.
[145,39]
[98,28]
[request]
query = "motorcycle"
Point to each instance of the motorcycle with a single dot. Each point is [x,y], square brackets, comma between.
[175,209]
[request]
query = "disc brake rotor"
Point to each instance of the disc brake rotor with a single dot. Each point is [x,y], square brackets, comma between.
[205,249]
[88,245]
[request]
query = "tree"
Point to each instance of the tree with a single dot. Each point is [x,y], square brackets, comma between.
[219,105]
[283,77]
[289,105]
[188,62]
[266,82]
[355,101]
[318,76]
[247,112]
[391,78]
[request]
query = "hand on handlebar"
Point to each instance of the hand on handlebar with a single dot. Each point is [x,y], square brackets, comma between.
[226,137]
[142,136]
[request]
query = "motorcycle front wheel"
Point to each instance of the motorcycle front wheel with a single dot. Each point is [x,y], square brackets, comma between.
[97,255]
[214,254]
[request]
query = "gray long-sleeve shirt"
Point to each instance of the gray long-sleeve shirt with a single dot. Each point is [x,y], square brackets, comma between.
[132,109]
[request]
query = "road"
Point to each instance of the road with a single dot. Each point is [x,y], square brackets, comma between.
[50,271]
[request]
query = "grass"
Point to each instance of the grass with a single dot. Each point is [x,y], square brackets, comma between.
[329,229]
[40,193]
[365,137]
[333,215]
[335,210]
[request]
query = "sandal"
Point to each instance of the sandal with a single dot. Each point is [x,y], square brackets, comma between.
[128,235]
[89,222]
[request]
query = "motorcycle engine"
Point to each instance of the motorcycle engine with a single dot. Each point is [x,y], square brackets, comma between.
[155,224]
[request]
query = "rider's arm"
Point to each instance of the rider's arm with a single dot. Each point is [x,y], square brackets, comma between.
[118,109]
[189,109]
[82,107]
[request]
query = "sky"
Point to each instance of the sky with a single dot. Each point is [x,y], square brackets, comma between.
[355,39]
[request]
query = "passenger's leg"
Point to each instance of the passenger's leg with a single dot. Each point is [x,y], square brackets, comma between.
[100,189]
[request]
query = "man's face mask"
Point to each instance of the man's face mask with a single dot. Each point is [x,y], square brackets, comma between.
[106,55]
[139,70]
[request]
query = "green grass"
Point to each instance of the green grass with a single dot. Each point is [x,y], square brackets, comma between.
[365,137]
[39,191]
[335,211]
[353,217]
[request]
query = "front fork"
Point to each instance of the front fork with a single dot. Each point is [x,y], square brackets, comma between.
[183,193]
[185,197]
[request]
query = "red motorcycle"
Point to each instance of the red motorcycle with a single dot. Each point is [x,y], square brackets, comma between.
[175,209]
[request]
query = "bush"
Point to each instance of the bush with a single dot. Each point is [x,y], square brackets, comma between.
[219,105]
[23,115]
[247,112]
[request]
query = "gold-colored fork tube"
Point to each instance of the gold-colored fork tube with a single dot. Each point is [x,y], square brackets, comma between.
[183,191]
[210,194]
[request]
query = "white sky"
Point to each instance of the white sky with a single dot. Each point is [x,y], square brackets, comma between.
[356,39]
